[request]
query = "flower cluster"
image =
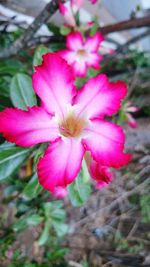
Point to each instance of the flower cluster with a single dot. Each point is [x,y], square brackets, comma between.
[69,12]
[73,122]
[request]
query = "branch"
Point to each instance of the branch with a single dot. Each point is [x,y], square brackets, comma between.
[109,207]
[124,47]
[126,25]
[22,42]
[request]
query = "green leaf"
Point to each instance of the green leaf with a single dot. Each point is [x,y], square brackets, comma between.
[94,28]
[45,234]
[33,188]
[21,91]
[65,30]
[60,228]
[34,219]
[39,52]
[20,225]
[53,28]
[11,67]
[79,191]
[11,157]
[85,172]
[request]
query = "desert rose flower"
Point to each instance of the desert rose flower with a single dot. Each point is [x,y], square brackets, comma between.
[72,121]
[82,53]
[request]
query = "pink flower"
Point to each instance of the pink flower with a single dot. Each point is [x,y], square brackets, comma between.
[72,121]
[82,53]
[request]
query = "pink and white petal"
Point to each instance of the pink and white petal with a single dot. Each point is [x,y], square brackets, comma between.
[60,164]
[79,68]
[105,141]
[69,56]
[92,43]
[93,60]
[74,41]
[62,8]
[100,97]
[76,4]
[54,87]
[60,192]
[27,128]
[101,174]
[131,121]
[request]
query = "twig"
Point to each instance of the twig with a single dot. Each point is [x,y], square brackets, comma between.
[126,25]
[22,42]
[46,39]
[115,202]
[124,47]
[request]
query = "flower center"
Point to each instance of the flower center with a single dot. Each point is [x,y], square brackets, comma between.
[81,52]
[72,126]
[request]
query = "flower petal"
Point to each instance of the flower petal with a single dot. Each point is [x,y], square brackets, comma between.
[69,56]
[105,140]
[100,97]
[53,83]
[79,68]
[93,60]
[76,4]
[92,43]
[27,128]
[74,41]
[101,174]
[60,164]
[60,192]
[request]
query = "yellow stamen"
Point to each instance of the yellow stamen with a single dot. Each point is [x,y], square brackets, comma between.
[81,52]
[72,126]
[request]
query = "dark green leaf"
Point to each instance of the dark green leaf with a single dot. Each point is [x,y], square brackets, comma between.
[11,67]
[11,157]
[21,91]
[53,28]
[33,188]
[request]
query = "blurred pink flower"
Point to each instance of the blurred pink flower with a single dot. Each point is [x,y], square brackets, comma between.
[82,53]
[69,12]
